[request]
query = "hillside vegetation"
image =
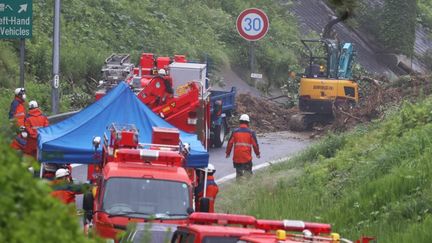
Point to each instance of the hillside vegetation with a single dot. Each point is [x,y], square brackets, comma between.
[92,30]
[375,180]
[27,212]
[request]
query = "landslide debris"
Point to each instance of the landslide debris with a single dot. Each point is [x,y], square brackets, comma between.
[379,95]
[265,115]
[376,96]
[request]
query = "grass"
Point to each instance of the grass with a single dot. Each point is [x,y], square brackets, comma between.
[375,180]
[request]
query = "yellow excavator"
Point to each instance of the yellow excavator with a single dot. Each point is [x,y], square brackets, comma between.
[326,83]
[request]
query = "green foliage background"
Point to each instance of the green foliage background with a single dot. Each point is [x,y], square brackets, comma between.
[425,12]
[27,212]
[376,180]
[392,24]
[92,30]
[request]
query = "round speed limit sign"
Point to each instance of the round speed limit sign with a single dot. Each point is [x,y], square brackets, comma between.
[252,24]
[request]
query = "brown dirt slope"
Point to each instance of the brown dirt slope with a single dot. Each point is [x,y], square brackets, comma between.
[265,115]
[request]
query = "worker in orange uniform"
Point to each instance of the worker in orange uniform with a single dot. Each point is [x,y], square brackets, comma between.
[34,120]
[17,109]
[212,188]
[63,188]
[243,139]
[20,141]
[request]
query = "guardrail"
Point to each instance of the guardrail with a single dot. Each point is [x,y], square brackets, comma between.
[60,117]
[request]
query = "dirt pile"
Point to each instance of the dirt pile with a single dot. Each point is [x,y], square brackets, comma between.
[377,97]
[265,115]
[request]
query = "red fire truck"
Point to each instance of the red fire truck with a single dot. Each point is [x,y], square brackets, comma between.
[232,228]
[176,90]
[139,182]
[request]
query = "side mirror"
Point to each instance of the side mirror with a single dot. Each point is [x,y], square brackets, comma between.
[189,210]
[204,205]
[186,147]
[96,142]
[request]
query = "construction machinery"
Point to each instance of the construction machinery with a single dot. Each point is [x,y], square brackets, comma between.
[327,82]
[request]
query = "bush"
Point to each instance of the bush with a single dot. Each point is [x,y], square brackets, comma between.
[375,181]
[27,212]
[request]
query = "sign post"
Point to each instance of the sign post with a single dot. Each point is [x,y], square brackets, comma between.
[16,22]
[55,97]
[252,24]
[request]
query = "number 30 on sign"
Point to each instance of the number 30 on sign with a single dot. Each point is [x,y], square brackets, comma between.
[252,24]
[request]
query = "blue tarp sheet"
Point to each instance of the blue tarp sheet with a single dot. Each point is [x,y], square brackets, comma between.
[70,141]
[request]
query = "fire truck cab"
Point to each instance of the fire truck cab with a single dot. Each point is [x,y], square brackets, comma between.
[139,182]
[214,228]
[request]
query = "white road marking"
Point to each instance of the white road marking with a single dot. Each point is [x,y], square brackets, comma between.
[233,175]
[254,168]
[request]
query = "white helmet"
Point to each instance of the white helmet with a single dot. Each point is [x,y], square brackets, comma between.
[19,91]
[211,168]
[33,104]
[244,117]
[61,173]
[162,71]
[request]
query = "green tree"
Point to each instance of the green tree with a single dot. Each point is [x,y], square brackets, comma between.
[398,25]
[27,211]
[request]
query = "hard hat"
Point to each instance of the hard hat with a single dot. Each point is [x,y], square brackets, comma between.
[33,104]
[244,117]
[211,168]
[19,91]
[61,173]
[162,71]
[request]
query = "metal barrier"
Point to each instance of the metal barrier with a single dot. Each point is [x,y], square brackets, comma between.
[60,117]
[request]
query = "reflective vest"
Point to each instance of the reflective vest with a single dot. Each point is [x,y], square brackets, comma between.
[34,120]
[17,111]
[211,192]
[63,191]
[243,140]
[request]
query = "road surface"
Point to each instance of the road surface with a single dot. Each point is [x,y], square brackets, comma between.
[273,146]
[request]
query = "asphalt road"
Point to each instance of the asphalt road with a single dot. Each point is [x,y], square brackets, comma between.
[273,146]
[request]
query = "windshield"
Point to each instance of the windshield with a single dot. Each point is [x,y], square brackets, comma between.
[146,198]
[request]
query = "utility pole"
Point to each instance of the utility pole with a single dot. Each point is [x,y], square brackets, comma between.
[56,59]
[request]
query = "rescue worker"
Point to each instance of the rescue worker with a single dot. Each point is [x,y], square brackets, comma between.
[243,139]
[17,109]
[34,120]
[168,83]
[212,188]
[63,189]
[20,141]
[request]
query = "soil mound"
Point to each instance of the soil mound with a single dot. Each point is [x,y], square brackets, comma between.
[265,115]
[377,96]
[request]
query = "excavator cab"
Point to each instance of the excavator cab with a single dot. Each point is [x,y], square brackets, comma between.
[318,61]
[327,81]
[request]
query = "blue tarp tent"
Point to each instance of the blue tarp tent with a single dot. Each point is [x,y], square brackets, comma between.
[70,141]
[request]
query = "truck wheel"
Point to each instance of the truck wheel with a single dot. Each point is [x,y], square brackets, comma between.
[219,134]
